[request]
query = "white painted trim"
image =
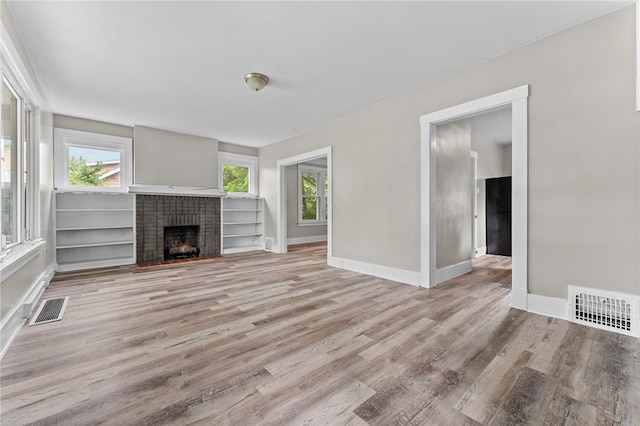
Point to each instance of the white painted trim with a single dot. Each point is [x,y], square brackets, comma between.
[19,256]
[16,318]
[474,204]
[175,190]
[385,272]
[281,213]
[310,239]
[97,264]
[548,306]
[517,98]
[453,271]
[321,172]
[64,138]
[244,249]
[11,59]
[481,251]
[250,161]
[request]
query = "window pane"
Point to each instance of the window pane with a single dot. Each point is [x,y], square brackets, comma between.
[9,156]
[235,178]
[309,208]
[94,167]
[309,184]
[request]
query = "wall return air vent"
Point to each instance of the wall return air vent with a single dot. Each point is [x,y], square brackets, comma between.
[605,310]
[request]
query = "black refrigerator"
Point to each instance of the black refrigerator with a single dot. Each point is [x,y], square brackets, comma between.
[498,204]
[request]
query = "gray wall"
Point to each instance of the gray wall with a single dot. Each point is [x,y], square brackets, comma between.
[15,287]
[453,193]
[494,160]
[583,155]
[161,157]
[237,149]
[84,125]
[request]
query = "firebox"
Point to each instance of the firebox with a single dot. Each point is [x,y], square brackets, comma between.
[181,242]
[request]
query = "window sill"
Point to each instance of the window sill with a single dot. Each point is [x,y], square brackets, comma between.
[312,223]
[19,256]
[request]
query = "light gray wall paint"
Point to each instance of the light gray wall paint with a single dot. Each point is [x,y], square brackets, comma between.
[582,105]
[293,230]
[161,157]
[237,149]
[15,287]
[453,193]
[507,153]
[492,162]
[490,156]
[84,125]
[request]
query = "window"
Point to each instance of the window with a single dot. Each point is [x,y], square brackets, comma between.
[91,161]
[238,173]
[18,187]
[313,187]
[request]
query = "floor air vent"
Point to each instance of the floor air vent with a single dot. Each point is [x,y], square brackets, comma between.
[605,310]
[50,310]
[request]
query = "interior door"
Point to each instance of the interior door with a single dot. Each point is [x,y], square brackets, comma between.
[498,217]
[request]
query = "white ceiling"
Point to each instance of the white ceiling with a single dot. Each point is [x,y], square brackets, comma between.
[179,66]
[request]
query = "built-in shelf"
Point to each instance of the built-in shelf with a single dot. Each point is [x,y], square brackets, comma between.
[242,224]
[94,229]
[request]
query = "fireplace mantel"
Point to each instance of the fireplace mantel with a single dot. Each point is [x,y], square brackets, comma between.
[188,191]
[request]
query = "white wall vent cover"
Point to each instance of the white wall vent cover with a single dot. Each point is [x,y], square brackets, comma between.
[268,244]
[50,310]
[605,310]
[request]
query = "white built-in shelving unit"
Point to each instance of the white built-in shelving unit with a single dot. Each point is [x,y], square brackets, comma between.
[94,229]
[242,224]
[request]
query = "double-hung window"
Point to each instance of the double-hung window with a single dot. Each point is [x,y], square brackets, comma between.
[312,195]
[92,162]
[18,167]
[238,173]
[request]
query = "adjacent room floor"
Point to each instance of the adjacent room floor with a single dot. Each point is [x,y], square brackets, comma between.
[261,338]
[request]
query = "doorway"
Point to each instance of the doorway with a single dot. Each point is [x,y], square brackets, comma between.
[282,207]
[517,98]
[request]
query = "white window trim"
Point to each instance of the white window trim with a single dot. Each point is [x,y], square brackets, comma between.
[242,160]
[322,173]
[64,138]
[14,70]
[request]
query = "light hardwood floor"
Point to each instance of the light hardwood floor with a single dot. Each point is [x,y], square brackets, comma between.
[261,338]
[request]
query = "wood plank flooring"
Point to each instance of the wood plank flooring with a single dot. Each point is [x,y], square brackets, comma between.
[267,339]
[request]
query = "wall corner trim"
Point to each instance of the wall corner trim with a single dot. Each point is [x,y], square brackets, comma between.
[386,272]
[452,271]
[554,307]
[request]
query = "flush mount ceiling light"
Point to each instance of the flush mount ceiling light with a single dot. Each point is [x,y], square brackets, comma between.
[256,81]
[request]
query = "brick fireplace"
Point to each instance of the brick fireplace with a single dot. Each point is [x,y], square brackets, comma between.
[198,218]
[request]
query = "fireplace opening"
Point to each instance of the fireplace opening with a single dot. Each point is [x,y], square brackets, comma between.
[181,242]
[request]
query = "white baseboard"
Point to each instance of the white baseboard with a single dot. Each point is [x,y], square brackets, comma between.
[481,251]
[311,239]
[12,323]
[386,272]
[453,271]
[548,306]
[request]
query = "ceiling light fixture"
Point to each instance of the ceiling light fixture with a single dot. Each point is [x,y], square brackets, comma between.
[256,81]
